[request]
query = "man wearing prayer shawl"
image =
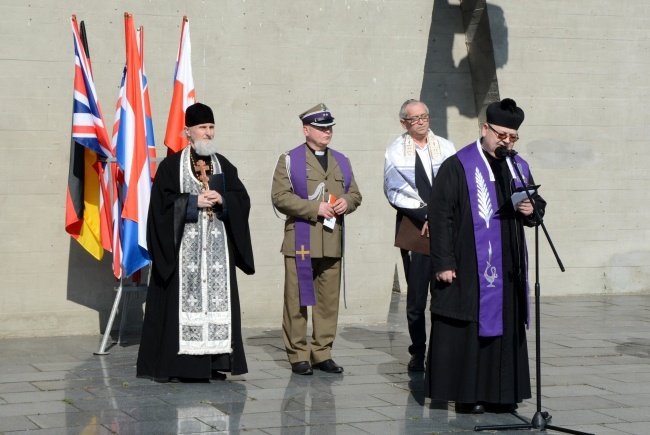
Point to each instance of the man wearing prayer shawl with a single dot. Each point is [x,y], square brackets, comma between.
[411,163]
[477,353]
[314,187]
[197,233]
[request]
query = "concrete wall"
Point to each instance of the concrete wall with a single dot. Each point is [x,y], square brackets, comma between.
[578,69]
[258,64]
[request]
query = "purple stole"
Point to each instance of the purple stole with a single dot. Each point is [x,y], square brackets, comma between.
[298,158]
[487,235]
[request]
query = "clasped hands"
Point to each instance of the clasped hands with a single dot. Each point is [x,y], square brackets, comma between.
[209,198]
[328,210]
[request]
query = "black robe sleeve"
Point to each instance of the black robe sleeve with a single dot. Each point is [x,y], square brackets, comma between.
[166,219]
[236,219]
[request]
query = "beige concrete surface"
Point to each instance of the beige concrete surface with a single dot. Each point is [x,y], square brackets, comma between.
[260,63]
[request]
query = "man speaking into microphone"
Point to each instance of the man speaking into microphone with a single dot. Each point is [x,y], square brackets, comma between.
[477,354]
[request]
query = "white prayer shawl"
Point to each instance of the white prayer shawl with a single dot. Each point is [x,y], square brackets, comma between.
[399,168]
[205,325]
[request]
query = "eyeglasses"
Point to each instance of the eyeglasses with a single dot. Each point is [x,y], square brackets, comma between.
[502,136]
[416,119]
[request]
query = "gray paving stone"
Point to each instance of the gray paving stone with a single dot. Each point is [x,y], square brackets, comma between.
[338,415]
[180,426]
[72,430]
[197,399]
[405,427]
[45,396]
[14,409]
[580,402]
[17,387]
[259,406]
[596,429]
[84,418]
[403,398]
[326,429]
[633,428]
[17,368]
[253,421]
[343,402]
[58,366]
[572,390]
[172,412]
[581,416]
[19,422]
[98,403]
[594,375]
[36,376]
[629,414]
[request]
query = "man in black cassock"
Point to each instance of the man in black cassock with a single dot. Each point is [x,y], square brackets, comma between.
[197,233]
[477,353]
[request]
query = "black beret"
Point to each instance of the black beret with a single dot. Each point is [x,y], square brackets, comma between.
[505,113]
[198,114]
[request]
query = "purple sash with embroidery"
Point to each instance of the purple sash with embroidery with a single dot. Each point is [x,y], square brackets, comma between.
[298,158]
[487,234]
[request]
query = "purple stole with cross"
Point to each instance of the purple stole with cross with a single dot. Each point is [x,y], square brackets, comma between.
[298,158]
[487,235]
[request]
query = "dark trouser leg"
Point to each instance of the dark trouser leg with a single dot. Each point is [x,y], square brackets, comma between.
[419,280]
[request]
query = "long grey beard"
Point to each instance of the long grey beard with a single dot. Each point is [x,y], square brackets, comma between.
[206,148]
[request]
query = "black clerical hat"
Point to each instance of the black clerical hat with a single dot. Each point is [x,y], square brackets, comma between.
[505,113]
[198,114]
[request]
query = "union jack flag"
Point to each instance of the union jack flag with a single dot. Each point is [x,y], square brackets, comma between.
[87,210]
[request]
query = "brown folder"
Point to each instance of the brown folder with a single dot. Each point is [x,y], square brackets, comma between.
[409,237]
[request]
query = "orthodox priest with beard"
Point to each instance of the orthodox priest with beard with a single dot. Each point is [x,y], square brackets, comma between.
[197,233]
[478,355]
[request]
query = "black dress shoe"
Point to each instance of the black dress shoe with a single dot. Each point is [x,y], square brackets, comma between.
[469,408]
[302,368]
[416,364]
[329,366]
[217,376]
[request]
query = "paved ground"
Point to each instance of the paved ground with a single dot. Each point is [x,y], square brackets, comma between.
[596,378]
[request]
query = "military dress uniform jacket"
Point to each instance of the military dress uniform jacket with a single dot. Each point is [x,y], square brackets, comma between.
[324,242]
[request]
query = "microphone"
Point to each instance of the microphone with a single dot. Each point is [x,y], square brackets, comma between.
[502,152]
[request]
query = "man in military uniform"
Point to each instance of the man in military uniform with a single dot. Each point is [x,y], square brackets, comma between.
[314,187]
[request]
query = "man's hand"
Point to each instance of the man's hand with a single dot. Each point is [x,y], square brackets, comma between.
[525,207]
[209,198]
[446,275]
[326,210]
[425,230]
[340,206]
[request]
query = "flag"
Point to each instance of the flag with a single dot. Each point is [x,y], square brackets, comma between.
[87,212]
[118,182]
[151,142]
[133,159]
[183,95]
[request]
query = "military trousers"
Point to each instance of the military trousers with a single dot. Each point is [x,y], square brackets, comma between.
[324,315]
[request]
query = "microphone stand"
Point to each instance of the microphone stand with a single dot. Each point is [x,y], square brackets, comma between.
[541,419]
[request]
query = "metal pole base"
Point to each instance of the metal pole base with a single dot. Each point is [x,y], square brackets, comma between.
[540,422]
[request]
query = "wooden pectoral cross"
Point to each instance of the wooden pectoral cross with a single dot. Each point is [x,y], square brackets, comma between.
[204,179]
